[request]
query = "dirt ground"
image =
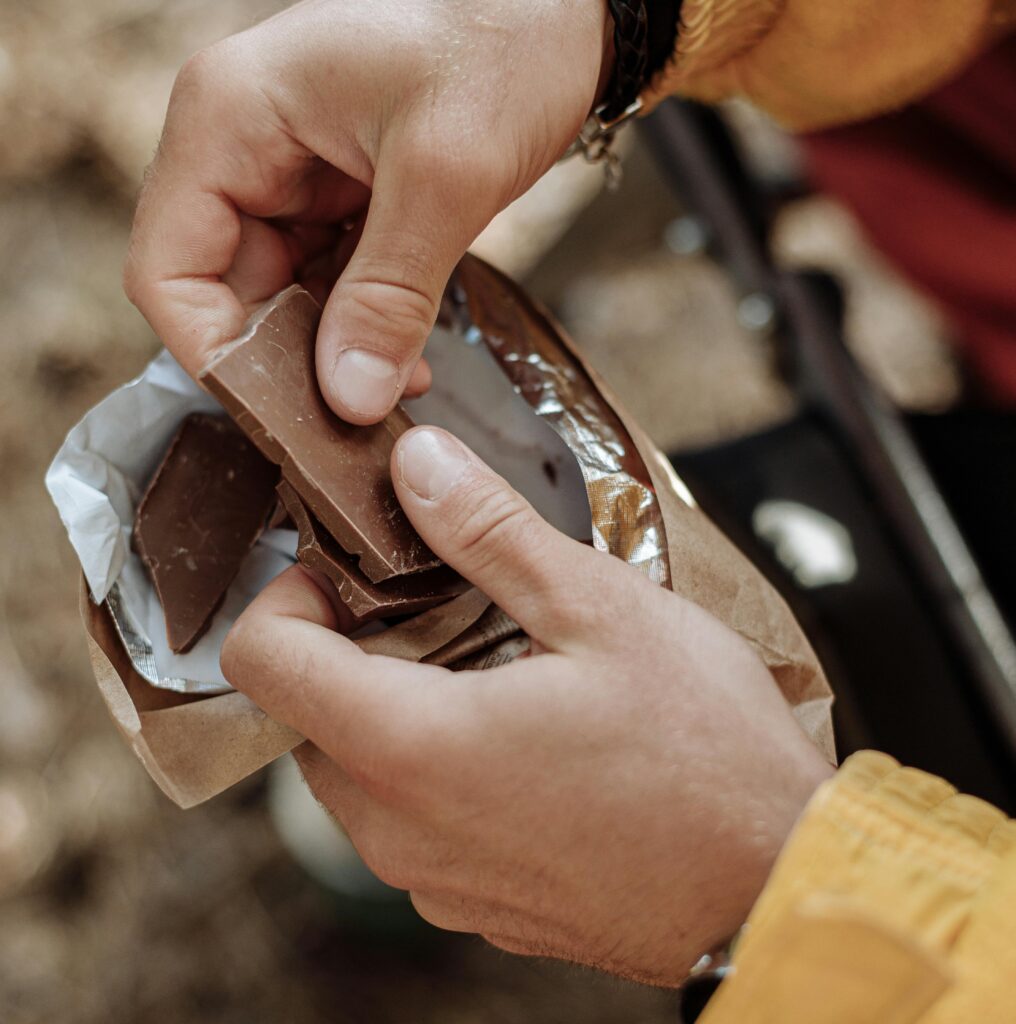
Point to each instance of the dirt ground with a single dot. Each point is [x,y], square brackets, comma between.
[114,905]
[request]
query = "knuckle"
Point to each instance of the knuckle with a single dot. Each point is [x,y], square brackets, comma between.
[434,164]
[205,71]
[492,522]
[429,909]
[136,279]
[389,772]
[197,73]
[208,86]
[403,764]
[132,281]
[234,658]
[445,171]
[444,910]
[484,176]
[393,306]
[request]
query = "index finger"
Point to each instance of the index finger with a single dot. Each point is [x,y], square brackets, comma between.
[186,229]
[368,712]
[184,239]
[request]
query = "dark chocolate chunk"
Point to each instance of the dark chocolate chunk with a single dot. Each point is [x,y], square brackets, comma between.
[202,513]
[403,595]
[266,379]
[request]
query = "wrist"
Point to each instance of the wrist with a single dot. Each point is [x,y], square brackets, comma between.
[742,875]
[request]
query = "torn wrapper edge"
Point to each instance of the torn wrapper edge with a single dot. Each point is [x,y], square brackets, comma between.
[196,746]
[193,747]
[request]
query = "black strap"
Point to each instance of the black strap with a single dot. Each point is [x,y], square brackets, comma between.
[644,35]
[664,21]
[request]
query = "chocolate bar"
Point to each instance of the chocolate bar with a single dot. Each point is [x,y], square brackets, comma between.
[202,513]
[405,595]
[266,380]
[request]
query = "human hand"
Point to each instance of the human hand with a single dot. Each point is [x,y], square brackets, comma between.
[616,799]
[425,117]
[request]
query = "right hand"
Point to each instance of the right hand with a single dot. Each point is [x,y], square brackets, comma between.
[426,117]
[618,799]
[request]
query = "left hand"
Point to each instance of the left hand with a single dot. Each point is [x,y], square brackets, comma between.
[616,799]
[412,121]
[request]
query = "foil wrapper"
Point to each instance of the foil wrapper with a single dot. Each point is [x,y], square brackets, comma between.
[626,517]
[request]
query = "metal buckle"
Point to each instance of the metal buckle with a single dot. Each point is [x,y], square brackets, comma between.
[596,139]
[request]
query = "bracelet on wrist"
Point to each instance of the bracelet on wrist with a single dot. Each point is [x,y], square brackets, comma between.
[644,35]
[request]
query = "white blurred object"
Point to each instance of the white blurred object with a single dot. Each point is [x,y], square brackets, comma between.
[813,547]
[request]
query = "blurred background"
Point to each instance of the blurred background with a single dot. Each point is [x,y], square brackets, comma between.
[116,906]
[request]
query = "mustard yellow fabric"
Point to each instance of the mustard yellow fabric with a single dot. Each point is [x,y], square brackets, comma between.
[812,63]
[894,902]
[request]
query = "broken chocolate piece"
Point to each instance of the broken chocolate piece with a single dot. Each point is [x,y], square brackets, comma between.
[267,381]
[404,595]
[202,513]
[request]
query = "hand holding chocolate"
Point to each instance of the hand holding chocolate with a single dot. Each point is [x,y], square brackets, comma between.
[506,380]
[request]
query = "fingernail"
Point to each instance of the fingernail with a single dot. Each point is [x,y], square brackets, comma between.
[365,382]
[431,463]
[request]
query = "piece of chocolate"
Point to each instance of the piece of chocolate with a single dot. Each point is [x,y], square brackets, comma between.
[202,513]
[403,595]
[267,381]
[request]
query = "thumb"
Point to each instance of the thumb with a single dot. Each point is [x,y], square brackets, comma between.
[377,319]
[557,589]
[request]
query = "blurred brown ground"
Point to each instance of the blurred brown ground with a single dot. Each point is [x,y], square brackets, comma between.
[114,905]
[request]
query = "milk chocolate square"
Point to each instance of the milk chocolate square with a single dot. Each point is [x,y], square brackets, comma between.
[202,513]
[266,380]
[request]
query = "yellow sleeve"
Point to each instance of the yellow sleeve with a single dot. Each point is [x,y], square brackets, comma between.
[894,902]
[811,63]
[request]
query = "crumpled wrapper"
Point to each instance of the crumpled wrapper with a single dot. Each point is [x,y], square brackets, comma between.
[510,383]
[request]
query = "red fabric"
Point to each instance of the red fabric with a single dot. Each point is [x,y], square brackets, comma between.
[935,187]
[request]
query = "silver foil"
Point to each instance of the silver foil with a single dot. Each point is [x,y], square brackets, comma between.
[627,519]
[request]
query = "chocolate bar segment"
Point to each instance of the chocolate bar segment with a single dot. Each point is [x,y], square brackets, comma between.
[405,595]
[267,382]
[202,513]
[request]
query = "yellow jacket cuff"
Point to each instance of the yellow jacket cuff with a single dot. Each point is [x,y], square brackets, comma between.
[811,63]
[892,902]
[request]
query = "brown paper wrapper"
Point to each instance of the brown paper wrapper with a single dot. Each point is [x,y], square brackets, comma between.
[196,746]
